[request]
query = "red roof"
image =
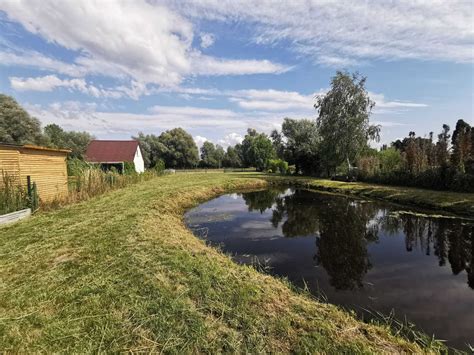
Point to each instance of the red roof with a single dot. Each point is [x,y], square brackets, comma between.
[111,151]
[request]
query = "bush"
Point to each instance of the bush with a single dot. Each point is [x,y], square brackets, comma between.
[159,167]
[277,166]
[129,168]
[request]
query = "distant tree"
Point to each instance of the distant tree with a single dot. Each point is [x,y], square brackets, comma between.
[177,149]
[442,146]
[257,149]
[219,155]
[232,158]
[207,155]
[390,160]
[17,126]
[278,143]
[461,143]
[343,120]
[151,148]
[77,142]
[211,155]
[301,145]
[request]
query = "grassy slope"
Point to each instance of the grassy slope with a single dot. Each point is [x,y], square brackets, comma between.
[122,272]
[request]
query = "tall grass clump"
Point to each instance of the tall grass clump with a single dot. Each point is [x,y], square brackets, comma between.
[90,181]
[13,197]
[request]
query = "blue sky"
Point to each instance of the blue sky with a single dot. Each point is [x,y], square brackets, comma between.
[216,68]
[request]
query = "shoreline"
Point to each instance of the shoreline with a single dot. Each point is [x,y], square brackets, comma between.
[124,270]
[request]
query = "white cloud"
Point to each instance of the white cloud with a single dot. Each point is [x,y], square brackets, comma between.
[205,65]
[272,100]
[29,58]
[135,40]
[231,139]
[199,140]
[342,33]
[207,40]
[383,105]
[50,82]
[196,120]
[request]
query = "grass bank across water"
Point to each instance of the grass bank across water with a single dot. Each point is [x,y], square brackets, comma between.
[457,203]
[121,272]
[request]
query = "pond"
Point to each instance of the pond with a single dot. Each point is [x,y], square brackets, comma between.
[368,256]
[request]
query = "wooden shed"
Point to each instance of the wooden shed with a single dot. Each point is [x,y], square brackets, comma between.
[45,166]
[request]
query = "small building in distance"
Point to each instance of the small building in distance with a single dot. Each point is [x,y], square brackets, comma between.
[45,166]
[115,154]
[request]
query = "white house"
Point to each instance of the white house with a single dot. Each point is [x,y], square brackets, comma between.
[115,154]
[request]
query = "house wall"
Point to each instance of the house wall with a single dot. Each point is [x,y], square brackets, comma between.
[46,168]
[138,161]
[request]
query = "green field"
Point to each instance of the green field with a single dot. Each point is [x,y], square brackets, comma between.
[121,272]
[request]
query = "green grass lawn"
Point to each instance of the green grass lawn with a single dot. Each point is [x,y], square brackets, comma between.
[121,272]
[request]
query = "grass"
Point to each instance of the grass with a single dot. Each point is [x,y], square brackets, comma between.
[121,272]
[461,204]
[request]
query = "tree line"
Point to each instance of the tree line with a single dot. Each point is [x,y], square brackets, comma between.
[336,144]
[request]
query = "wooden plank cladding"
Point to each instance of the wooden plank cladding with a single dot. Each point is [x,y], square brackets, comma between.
[46,167]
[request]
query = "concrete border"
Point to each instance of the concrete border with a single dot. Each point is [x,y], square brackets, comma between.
[14,216]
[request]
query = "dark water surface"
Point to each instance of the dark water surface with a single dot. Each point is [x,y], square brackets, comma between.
[359,254]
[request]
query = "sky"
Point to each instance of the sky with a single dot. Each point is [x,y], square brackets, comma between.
[216,67]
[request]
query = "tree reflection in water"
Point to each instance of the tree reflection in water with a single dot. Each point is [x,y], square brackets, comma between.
[341,248]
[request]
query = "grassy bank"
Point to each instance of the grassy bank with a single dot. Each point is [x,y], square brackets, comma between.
[121,272]
[461,204]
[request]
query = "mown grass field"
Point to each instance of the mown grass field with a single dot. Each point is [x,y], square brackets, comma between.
[121,272]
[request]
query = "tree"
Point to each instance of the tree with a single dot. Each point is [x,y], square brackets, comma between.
[257,149]
[151,149]
[16,125]
[77,142]
[232,158]
[442,146]
[390,160]
[343,120]
[461,142]
[278,143]
[177,149]
[301,145]
[211,156]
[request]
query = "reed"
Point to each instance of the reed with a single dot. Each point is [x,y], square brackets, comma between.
[92,182]
[13,197]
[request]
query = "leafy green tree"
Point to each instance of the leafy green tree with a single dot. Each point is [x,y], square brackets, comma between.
[232,158]
[211,155]
[77,142]
[257,149]
[16,125]
[390,160]
[343,120]
[177,149]
[301,145]
[151,149]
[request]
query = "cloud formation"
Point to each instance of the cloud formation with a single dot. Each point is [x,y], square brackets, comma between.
[136,40]
[345,33]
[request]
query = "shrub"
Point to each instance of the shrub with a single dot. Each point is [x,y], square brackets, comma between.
[76,166]
[277,166]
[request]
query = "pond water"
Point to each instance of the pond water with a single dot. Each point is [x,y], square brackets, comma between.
[363,255]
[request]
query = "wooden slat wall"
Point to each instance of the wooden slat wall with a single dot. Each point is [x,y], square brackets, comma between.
[46,168]
[9,163]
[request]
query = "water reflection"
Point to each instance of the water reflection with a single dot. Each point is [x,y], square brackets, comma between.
[359,254]
[341,243]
